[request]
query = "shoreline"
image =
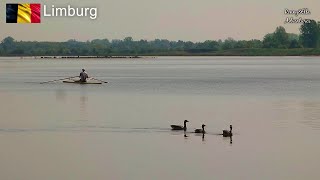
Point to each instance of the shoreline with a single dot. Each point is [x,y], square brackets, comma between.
[149,57]
[220,53]
[87,57]
[260,52]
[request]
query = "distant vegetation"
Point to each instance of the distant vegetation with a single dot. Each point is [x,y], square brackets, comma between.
[278,43]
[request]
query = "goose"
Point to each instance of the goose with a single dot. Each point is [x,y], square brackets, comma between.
[179,127]
[200,130]
[227,133]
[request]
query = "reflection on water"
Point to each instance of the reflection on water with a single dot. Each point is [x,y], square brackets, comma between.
[61,95]
[185,134]
[228,138]
[83,108]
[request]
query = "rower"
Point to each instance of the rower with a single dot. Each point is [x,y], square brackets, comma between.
[83,76]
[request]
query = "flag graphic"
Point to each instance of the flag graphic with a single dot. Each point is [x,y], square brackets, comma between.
[23,13]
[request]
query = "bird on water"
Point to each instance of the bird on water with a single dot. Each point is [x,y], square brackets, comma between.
[227,133]
[200,130]
[179,127]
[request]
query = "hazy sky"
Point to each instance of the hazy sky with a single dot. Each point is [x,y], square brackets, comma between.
[194,20]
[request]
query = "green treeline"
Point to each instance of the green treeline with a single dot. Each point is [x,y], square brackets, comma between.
[278,43]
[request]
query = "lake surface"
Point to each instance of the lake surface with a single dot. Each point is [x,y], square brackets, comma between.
[121,130]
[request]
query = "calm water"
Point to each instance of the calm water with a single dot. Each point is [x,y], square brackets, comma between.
[120,130]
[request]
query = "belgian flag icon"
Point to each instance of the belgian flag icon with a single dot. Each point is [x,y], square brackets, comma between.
[23,13]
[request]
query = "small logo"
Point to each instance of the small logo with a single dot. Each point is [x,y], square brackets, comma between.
[23,13]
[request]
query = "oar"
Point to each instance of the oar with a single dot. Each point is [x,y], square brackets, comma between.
[99,80]
[58,79]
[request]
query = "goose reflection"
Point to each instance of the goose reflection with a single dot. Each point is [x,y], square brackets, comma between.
[185,135]
[203,136]
[230,139]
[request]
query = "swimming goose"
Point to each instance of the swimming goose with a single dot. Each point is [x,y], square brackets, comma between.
[178,127]
[200,130]
[227,133]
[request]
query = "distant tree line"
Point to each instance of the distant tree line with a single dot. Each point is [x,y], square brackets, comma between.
[309,37]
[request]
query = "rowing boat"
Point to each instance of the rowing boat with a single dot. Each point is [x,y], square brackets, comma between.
[79,82]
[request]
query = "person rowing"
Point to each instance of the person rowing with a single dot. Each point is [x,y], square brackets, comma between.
[83,76]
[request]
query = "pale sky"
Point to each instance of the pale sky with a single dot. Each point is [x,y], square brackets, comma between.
[194,20]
